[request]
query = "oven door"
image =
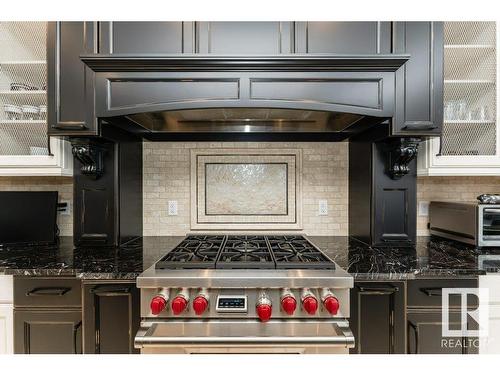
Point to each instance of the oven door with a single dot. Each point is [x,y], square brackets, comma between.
[489,225]
[245,336]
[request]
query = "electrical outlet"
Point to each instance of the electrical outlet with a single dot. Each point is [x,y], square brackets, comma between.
[323,207]
[67,210]
[423,208]
[172,208]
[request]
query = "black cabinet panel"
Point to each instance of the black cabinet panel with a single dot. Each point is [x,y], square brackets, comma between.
[111,318]
[394,201]
[382,209]
[428,293]
[264,38]
[378,317]
[343,37]
[425,334]
[94,207]
[47,292]
[47,332]
[419,83]
[70,100]
[146,37]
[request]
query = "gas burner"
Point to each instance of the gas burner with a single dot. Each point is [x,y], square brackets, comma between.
[245,252]
[193,252]
[295,252]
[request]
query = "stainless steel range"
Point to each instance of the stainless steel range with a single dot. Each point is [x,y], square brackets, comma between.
[245,294]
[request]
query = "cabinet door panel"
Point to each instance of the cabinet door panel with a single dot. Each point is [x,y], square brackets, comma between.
[425,334]
[394,202]
[111,316]
[47,332]
[419,83]
[146,37]
[343,37]
[378,317]
[70,101]
[244,37]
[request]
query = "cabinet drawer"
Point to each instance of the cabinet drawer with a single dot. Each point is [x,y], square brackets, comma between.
[428,293]
[47,292]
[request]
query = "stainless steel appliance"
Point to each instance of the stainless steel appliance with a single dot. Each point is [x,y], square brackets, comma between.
[244,294]
[473,223]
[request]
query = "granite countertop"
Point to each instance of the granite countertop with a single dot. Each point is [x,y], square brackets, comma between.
[430,258]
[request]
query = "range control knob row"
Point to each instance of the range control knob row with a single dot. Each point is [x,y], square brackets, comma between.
[309,302]
[264,307]
[288,301]
[330,302]
[180,301]
[200,302]
[159,302]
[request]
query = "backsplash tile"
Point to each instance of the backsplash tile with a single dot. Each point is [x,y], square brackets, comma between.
[64,185]
[166,178]
[324,177]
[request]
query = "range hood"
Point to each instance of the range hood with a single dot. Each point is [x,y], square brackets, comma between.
[165,97]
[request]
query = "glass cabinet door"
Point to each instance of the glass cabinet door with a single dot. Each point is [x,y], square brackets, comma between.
[23,89]
[469,127]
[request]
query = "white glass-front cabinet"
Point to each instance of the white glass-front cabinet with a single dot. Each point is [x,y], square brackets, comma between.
[6,315]
[25,148]
[470,143]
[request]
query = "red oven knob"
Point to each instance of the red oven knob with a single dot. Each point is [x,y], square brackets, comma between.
[158,304]
[310,305]
[180,302]
[200,304]
[331,305]
[264,307]
[288,302]
[309,302]
[264,312]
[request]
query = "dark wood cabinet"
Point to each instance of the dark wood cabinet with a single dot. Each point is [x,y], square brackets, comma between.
[249,38]
[425,334]
[382,209]
[343,37]
[70,107]
[47,315]
[425,317]
[378,317]
[111,314]
[419,83]
[47,331]
[129,37]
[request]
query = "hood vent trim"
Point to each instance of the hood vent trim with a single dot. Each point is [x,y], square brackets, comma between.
[243,97]
[301,63]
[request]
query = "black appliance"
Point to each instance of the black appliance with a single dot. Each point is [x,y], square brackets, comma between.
[28,217]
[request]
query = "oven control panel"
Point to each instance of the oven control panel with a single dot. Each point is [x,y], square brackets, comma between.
[261,303]
[228,304]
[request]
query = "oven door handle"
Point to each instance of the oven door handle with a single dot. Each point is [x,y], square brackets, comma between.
[145,338]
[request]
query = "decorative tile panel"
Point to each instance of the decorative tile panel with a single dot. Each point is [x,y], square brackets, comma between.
[245,189]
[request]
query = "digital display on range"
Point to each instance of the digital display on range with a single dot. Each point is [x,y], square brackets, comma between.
[232,303]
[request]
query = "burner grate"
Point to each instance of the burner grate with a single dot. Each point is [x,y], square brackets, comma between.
[193,252]
[245,252]
[296,252]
